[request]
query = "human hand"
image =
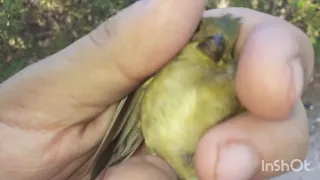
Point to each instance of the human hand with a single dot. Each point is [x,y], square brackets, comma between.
[54,113]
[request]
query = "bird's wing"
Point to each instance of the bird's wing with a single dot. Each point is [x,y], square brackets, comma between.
[124,135]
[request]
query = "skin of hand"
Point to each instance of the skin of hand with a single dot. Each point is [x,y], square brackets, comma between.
[54,113]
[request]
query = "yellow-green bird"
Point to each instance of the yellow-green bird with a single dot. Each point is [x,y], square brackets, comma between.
[175,107]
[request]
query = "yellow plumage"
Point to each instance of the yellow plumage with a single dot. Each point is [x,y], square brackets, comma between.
[176,106]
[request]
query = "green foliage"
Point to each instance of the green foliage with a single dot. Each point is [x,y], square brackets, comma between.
[305,14]
[33,29]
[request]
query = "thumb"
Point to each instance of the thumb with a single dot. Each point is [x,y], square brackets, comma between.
[113,58]
[142,38]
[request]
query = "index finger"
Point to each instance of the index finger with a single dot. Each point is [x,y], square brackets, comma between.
[275,62]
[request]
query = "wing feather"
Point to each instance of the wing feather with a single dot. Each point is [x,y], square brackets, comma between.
[124,135]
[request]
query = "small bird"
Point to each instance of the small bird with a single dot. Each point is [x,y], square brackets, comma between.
[172,109]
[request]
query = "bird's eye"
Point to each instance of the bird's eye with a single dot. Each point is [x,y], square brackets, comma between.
[213,46]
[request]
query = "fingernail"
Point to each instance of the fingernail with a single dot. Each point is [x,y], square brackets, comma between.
[237,161]
[297,77]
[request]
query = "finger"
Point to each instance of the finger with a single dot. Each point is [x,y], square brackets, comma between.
[82,79]
[65,92]
[239,147]
[140,168]
[276,60]
[117,55]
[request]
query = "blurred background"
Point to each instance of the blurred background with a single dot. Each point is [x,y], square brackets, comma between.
[33,29]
